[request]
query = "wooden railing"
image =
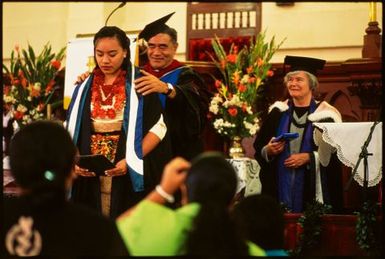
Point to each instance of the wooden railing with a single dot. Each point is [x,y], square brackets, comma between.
[226,20]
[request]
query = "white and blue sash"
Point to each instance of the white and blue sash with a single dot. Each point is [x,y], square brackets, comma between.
[132,125]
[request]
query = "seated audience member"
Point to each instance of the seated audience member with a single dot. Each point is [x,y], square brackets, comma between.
[259,219]
[201,227]
[41,221]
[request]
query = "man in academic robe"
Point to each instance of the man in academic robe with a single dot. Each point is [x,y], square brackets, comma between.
[182,91]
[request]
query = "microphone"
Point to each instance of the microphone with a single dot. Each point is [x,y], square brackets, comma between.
[113,11]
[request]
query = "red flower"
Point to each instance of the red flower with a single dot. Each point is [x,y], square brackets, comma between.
[34,92]
[270,73]
[242,88]
[49,86]
[18,115]
[6,89]
[244,107]
[251,80]
[232,58]
[23,80]
[55,64]
[15,81]
[218,83]
[40,107]
[232,111]
[249,70]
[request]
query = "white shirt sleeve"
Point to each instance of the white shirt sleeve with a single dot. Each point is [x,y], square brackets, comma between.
[159,128]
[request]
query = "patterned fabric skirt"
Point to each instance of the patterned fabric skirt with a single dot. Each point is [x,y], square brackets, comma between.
[105,144]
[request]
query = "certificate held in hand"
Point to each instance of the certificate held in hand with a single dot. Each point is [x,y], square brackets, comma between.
[286,137]
[95,163]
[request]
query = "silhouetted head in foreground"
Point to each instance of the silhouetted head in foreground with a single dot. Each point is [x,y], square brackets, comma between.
[260,220]
[212,182]
[42,158]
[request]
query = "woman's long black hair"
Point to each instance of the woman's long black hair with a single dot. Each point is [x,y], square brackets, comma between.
[212,182]
[120,35]
[42,156]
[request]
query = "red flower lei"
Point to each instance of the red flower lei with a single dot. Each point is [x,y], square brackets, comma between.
[107,95]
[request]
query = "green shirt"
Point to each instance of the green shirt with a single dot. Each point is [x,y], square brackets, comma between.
[155,230]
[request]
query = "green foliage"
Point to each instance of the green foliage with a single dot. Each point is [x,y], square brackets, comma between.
[310,222]
[366,227]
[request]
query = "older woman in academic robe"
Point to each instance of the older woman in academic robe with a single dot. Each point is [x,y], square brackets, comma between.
[291,171]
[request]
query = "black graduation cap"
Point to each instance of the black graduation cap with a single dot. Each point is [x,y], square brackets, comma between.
[154,28]
[310,65]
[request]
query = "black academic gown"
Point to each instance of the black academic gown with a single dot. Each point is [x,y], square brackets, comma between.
[186,114]
[86,190]
[268,173]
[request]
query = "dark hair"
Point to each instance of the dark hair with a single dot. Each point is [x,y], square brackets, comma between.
[212,182]
[120,35]
[259,219]
[171,32]
[42,156]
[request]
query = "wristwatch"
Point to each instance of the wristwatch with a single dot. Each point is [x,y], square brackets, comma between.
[170,88]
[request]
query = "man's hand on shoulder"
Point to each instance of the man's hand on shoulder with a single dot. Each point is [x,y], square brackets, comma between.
[149,83]
[82,77]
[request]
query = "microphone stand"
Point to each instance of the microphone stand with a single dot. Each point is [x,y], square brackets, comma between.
[113,11]
[363,155]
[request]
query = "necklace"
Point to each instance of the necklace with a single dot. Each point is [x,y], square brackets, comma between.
[106,92]
[107,100]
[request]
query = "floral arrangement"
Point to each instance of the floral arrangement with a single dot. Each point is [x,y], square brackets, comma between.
[31,83]
[233,108]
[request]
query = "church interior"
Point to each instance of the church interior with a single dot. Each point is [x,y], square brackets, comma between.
[348,35]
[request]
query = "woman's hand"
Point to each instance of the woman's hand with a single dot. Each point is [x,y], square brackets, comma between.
[83,172]
[120,169]
[297,160]
[174,174]
[274,148]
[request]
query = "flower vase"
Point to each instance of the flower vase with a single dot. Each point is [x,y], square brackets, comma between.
[236,150]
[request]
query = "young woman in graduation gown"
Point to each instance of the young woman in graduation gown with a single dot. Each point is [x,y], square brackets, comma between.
[107,117]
